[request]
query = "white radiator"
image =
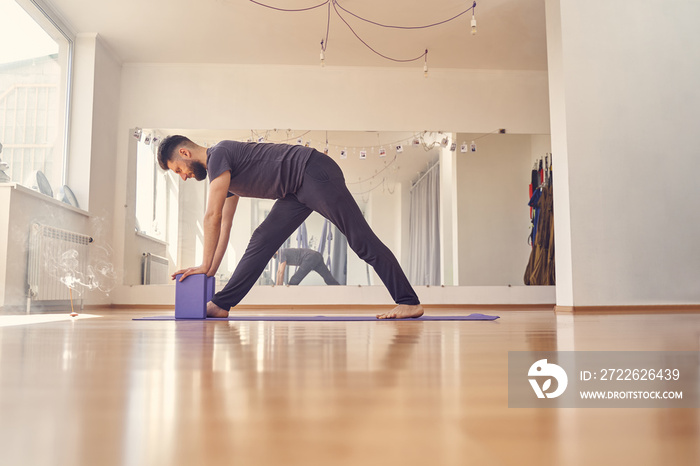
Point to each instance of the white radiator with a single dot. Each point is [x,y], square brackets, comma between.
[57,259]
[155,269]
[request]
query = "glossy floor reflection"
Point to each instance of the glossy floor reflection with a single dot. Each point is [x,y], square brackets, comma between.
[112,391]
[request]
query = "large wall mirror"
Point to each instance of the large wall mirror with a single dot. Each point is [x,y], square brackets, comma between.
[453,207]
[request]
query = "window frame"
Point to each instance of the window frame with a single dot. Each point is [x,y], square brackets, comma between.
[47,19]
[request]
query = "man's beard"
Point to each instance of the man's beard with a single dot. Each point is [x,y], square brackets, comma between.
[198,170]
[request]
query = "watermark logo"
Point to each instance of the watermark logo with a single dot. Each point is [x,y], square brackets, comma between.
[542,368]
[603,379]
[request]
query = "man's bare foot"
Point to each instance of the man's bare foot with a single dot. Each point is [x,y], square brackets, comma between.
[215,311]
[403,311]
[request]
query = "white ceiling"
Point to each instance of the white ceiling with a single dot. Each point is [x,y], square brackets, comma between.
[511,36]
[511,33]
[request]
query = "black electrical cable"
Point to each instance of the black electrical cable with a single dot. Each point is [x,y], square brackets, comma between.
[285,9]
[369,47]
[324,44]
[336,5]
[335,2]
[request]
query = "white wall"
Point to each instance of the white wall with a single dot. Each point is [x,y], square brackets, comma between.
[449,245]
[625,105]
[93,139]
[20,207]
[334,98]
[90,172]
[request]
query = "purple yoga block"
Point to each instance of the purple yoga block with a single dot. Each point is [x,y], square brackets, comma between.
[211,285]
[191,296]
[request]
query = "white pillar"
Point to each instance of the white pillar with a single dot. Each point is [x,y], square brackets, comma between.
[624,105]
[448,218]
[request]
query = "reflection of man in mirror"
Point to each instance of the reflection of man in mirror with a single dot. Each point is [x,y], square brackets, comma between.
[306,260]
[302,180]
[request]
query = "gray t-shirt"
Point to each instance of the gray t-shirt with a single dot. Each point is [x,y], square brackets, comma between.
[295,256]
[268,171]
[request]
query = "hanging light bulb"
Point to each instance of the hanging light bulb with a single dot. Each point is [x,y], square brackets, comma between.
[473,19]
[425,65]
[323,56]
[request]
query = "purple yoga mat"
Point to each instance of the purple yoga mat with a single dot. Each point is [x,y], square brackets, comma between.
[328,318]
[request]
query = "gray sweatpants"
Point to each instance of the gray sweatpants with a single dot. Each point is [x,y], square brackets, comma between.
[324,191]
[312,262]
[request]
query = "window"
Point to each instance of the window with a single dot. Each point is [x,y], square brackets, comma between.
[34,83]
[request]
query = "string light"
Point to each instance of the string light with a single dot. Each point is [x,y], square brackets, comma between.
[427,139]
[335,4]
[324,42]
[425,66]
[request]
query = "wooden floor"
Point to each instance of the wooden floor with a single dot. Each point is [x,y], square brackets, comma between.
[111,391]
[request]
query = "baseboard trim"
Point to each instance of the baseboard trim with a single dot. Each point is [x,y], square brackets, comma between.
[339,307]
[656,308]
[513,307]
[129,306]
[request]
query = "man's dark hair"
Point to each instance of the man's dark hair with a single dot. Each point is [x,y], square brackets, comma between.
[167,147]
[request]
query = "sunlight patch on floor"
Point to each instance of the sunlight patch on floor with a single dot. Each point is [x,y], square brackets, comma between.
[7,321]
